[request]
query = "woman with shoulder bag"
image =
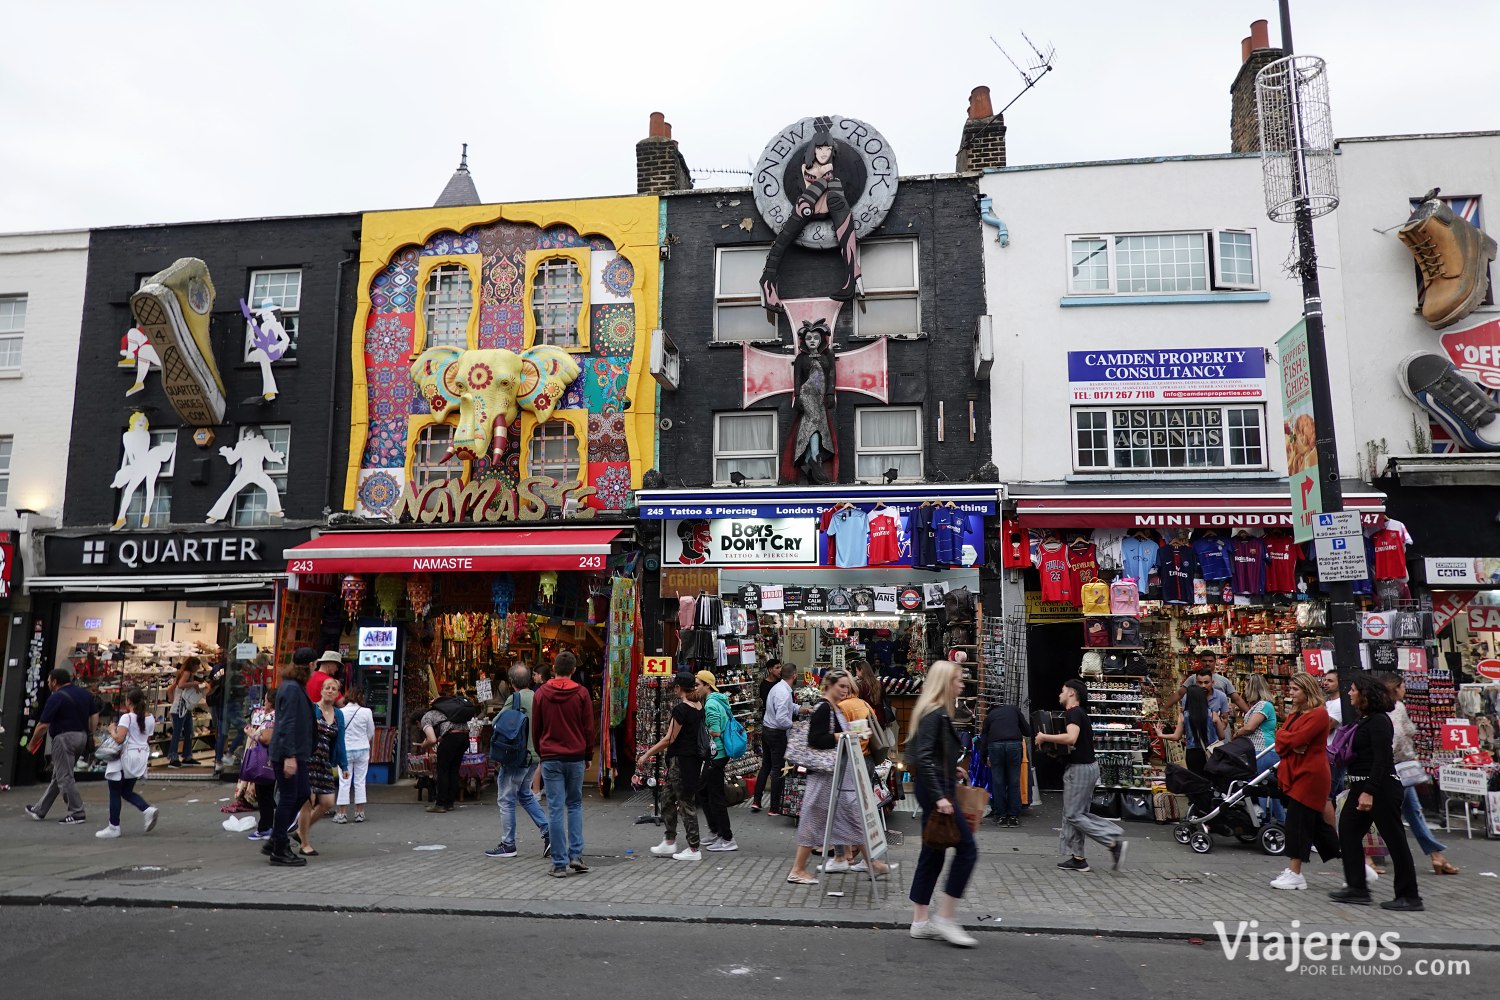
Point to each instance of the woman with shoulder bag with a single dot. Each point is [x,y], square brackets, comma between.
[133,733]
[256,765]
[1404,750]
[935,758]
[823,727]
[1374,799]
[1304,777]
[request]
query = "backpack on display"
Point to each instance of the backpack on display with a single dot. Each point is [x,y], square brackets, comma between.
[1127,632]
[509,738]
[458,710]
[1095,634]
[1092,665]
[1124,597]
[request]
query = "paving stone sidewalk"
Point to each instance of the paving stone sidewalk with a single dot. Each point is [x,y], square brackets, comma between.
[407,860]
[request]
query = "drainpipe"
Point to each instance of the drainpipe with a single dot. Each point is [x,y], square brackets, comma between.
[333,400]
[988,216]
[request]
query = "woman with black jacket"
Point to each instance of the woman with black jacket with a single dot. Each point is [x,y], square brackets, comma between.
[935,758]
[1374,797]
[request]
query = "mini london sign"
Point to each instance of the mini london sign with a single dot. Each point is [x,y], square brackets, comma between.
[451,501]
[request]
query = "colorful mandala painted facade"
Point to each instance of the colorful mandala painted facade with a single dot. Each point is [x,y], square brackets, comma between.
[379,492]
[619,276]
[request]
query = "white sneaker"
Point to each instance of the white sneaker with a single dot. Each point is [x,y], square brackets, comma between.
[833,867]
[665,849]
[1289,880]
[708,844]
[149,818]
[687,854]
[951,932]
[924,930]
[1371,875]
[108,833]
[722,845]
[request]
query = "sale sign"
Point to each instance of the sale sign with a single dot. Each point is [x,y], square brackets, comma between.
[1485,618]
[1459,734]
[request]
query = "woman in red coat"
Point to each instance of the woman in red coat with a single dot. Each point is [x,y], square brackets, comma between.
[1305,780]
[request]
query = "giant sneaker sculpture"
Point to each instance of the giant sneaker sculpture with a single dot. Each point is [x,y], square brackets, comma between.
[1455,400]
[172,310]
[1454,259]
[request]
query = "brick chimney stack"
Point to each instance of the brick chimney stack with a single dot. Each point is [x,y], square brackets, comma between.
[659,166]
[983,142]
[1244,120]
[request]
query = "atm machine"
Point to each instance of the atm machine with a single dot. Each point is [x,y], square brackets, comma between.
[378,671]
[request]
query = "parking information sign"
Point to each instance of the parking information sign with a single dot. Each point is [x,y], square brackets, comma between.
[1340,546]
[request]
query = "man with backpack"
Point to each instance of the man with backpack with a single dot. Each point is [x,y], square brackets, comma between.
[562,715]
[728,737]
[513,747]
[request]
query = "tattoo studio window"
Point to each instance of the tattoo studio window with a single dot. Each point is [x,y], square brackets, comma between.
[161,503]
[1169,437]
[556,301]
[12,329]
[738,314]
[252,506]
[428,462]
[745,443]
[1162,263]
[888,438]
[554,452]
[891,307]
[284,289]
[6,444]
[448,301]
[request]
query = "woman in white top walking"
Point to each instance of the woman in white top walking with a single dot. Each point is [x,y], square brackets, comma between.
[359,729]
[133,733]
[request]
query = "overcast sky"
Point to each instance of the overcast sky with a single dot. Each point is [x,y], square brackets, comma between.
[117,111]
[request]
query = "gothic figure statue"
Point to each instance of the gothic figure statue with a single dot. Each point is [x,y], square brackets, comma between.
[812,448]
[822,196]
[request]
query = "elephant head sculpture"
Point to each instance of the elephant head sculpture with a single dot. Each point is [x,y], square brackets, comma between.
[490,388]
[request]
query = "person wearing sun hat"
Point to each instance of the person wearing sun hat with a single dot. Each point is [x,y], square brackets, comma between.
[711,794]
[326,667]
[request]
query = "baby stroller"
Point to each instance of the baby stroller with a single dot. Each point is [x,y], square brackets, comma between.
[1222,801]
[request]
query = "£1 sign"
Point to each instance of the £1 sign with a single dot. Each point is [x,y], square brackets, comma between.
[1460,736]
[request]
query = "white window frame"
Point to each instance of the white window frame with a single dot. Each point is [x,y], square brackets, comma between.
[251,504]
[1223,427]
[738,299]
[161,506]
[860,450]
[1213,262]
[12,333]
[545,293]
[912,292]
[537,465]
[289,314]
[424,472]
[7,450]
[431,306]
[723,455]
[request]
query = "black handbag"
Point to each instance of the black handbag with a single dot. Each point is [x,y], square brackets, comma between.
[1106,805]
[1137,806]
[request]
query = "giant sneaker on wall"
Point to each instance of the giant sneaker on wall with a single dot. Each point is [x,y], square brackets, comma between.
[1456,401]
[1454,259]
[172,309]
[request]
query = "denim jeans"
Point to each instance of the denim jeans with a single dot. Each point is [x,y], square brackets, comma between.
[123,790]
[1411,810]
[512,785]
[1271,806]
[563,780]
[181,747]
[1005,777]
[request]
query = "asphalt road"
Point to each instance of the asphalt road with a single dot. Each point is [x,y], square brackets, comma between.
[169,954]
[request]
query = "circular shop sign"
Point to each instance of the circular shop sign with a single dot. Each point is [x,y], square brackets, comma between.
[863,161]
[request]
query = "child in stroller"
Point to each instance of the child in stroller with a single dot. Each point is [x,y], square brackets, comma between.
[1222,800]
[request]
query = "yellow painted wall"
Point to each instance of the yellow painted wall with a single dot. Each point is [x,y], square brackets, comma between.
[630,222]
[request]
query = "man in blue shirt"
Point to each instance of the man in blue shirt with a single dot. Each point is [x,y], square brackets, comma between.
[68,716]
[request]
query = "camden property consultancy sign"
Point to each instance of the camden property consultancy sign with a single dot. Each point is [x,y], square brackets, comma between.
[1167,375]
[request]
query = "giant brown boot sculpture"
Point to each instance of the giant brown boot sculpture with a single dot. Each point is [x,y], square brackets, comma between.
[1453,257]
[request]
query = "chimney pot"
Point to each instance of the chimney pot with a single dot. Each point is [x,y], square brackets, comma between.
[1245,49]
[1260,34]
[979,104]
[660,127]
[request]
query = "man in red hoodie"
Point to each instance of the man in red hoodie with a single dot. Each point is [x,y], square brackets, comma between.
[562,720]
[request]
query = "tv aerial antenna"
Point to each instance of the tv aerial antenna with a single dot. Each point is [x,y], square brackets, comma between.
[1034,71]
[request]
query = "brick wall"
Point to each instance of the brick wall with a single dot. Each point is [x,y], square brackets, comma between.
[308,387]
[1244,121]
[983,144]
[940,213]
[660,166]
